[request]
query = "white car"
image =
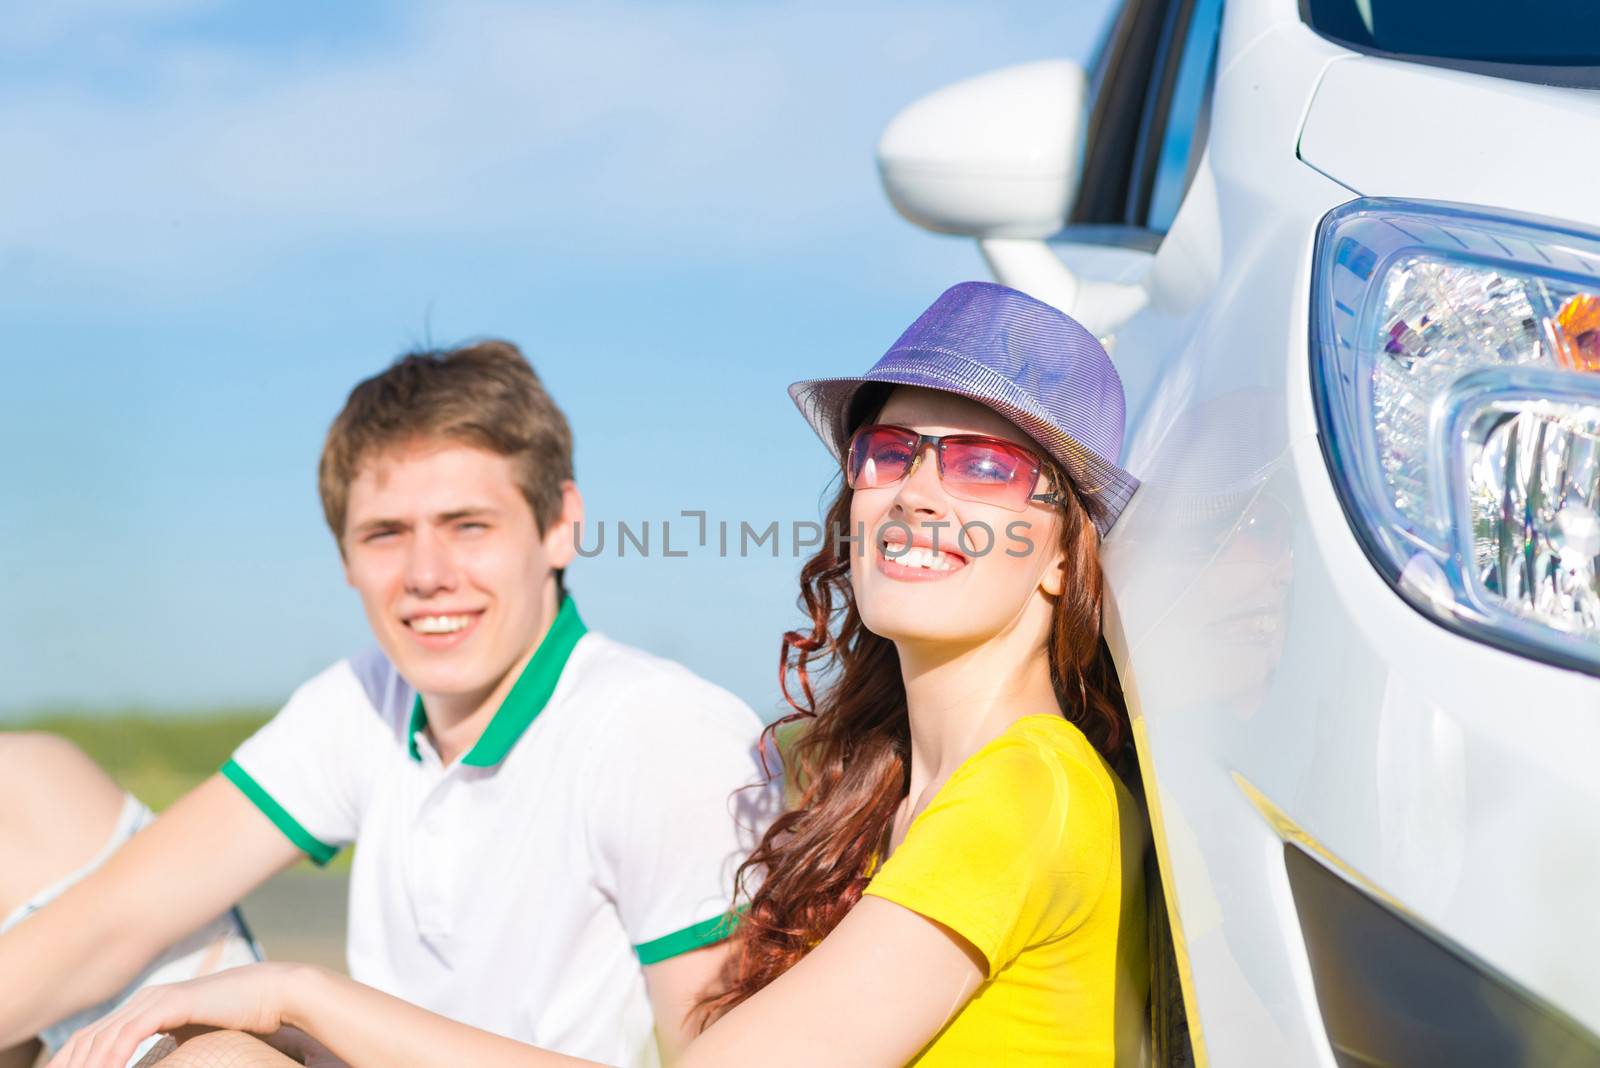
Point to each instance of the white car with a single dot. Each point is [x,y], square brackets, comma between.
[1346,257]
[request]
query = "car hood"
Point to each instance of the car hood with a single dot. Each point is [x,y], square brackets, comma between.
[1386,128]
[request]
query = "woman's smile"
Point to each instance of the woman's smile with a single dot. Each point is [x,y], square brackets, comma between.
[919,559]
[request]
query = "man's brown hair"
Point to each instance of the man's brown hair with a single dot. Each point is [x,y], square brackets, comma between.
[483,394]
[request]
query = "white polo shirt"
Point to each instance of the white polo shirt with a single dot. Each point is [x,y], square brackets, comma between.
[592,829]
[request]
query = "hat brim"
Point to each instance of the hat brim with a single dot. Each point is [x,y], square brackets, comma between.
[825,403]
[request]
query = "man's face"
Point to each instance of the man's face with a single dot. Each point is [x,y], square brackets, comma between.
[450,565]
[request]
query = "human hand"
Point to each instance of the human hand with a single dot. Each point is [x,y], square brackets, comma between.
[250,999]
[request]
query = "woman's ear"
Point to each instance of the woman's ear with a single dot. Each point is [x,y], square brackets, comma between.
[1053,580]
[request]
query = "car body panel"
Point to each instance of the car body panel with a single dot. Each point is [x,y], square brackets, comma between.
[1270,666]
[1386,128]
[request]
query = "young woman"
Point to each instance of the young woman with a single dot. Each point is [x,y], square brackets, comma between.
[957,880]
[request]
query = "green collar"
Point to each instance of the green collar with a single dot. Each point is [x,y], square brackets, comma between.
[526,699]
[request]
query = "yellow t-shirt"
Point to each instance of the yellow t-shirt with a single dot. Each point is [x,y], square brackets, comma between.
[1033,852]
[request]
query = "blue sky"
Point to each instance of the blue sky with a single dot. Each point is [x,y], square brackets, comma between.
[219,216]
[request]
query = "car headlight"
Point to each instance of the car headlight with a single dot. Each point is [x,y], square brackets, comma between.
[1456,362]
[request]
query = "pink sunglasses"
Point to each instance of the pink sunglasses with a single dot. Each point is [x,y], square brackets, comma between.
[973,467]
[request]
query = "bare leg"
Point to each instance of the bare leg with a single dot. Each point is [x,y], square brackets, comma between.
[57,810]
[225,1049]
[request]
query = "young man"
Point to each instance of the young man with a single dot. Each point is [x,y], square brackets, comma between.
[548,820]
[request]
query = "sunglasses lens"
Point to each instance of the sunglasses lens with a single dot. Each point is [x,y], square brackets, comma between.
[972,467]
[880,456]
[988,472]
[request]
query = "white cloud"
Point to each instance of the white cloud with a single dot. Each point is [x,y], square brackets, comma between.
[74,23]
[715,130]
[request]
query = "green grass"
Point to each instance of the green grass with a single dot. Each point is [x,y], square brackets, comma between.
[156,758]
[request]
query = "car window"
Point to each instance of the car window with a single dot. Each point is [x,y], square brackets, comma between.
[1544,42]
[1118,84]
[1150,105]
[1182,131]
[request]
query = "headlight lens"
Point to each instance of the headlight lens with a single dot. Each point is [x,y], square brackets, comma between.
[1455,359]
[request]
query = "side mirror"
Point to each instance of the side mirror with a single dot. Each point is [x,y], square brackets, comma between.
[991,156]
[997,157]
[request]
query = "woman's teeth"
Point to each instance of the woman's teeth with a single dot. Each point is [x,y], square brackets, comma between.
[440,624]
[920,556]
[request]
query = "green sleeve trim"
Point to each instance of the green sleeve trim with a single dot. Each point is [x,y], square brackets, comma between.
[319,851]
[695,936]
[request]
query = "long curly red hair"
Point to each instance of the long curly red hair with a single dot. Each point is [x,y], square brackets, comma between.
[846,747]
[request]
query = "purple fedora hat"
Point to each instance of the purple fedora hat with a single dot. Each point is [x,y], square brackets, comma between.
[1023,358]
